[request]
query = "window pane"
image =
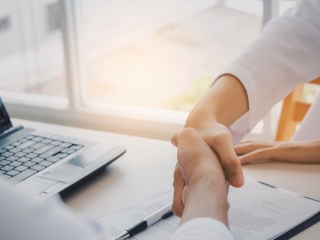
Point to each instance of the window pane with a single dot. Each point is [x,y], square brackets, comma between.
[31,50]
[161,54]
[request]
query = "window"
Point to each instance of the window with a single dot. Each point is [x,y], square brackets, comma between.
[161,54]
[129,66]
[4,23]
[31,62]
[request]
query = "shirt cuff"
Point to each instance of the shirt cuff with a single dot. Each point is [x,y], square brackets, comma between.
[204,229]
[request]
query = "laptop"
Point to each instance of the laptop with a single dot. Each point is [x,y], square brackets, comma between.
[46,163]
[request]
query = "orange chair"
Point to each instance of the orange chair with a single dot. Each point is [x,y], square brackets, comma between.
[293,111]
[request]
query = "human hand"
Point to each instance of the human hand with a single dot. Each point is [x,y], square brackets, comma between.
[298,152]
[200,185]
[219,139]
[224,103]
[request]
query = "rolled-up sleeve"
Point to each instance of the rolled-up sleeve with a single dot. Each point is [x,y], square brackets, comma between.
[285,54]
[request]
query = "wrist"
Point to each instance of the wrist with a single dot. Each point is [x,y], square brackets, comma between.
[200,117]
[206,199]
[224,103]
[210,188]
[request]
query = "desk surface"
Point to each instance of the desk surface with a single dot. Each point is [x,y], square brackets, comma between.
[147,168]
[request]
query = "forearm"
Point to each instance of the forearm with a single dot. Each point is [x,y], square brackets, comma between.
[206,200]
[268,69]
[225,102]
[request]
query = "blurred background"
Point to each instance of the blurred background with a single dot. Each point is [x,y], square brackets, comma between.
[128,66]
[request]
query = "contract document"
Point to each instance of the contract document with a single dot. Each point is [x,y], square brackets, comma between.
[257,211]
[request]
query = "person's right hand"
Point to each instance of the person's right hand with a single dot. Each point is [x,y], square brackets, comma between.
[220,107]
[205,191]
[219,139]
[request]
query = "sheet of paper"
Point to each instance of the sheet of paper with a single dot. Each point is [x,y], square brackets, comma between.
[257,212]
[120,221]
[261,212]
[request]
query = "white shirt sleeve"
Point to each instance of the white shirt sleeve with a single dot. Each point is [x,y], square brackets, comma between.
[24,217]
[285,54]
[204,229]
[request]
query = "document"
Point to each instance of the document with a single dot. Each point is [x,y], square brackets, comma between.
[257,211]
[117,222]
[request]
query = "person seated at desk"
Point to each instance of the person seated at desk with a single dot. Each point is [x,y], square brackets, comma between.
[285,54]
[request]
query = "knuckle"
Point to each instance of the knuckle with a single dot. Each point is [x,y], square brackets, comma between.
[220,138]
[173,139]
[186,132]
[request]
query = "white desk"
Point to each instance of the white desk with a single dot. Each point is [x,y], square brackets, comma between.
[147,168]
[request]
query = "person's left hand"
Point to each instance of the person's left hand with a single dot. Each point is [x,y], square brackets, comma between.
[298,152]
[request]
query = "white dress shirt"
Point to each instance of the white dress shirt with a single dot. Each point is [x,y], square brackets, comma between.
[285,54]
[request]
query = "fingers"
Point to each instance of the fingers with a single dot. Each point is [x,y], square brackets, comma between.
[178,184]
[222,144]
[262,154]
[186,141]
[197,163]
[298,152]
[246,147]
[253,156]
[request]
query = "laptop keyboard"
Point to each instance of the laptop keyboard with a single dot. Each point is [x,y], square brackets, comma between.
[31,154]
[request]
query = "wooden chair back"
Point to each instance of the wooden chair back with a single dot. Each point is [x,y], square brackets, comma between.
[293,111]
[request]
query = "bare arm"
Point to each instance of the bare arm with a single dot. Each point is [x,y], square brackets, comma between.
[223,104]
[206,190]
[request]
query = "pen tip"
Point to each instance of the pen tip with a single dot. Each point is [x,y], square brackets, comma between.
[123,236]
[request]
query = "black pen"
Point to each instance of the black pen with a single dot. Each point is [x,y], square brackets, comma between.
[163,213]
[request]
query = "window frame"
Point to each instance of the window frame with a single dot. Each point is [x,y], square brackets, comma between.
[138,121]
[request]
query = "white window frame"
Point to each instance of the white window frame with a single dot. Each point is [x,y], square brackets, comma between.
[78,112]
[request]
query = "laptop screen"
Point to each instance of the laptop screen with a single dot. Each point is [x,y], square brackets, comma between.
[5,122]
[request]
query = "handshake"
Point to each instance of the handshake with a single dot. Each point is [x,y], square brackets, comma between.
[200,186]
[206,165]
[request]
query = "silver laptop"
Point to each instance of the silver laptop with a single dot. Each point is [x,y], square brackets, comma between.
[46,163]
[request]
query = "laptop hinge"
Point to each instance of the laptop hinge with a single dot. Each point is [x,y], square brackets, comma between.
[10,131]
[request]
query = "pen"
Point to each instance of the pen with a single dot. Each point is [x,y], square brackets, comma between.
[163,213]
